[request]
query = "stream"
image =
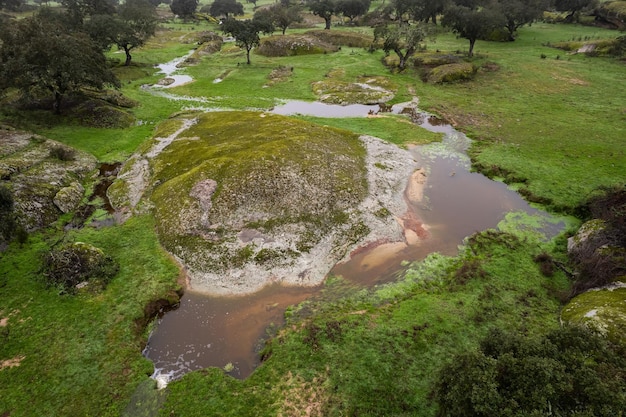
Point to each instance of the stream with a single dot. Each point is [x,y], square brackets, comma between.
[227,332]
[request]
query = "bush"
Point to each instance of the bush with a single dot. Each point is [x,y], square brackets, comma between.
[77,263]
[62,153]
[451,73]
[7,217]
[570,372]
[601,256]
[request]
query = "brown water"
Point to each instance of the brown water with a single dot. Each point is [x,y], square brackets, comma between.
[210,331]
[215,331]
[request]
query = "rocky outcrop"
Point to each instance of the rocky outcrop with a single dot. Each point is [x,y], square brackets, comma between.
[245,199]
[68,198]
[43,186]
[601,285]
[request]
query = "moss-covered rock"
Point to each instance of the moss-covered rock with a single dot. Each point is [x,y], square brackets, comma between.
[98,113]
[78,265]
[451,73]
[68,198]
[244,199]
[342,38]
[589,235]
[291,45]
[604,309]
[36,177]
[366,90]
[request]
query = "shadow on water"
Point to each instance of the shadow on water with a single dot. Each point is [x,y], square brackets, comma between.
[215,331]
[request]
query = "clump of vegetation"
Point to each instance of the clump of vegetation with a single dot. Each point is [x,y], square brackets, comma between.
[62,153]
[292,45]
[76,263]
[571,371]
[450,73]
[7,218]
[546,264]
[342,38]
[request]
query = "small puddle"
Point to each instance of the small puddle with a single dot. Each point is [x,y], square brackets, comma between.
[315,108]
[217,331]
[171,71]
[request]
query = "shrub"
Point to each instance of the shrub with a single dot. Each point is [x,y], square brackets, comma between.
[570,372]
[601,257]
[7,217]
[77,263]
[451,73]
[62,153]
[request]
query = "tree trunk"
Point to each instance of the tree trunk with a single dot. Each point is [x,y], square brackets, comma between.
[327,19]
[248,55]
[434,18]
[56,106]
[128,56]
[471,50]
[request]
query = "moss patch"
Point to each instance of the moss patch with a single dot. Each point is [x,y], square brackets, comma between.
[248,188]
[451,73]
[291,45]
[604,309]
[366,90]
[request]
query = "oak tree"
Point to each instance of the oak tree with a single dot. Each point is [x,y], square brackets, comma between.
[38,54]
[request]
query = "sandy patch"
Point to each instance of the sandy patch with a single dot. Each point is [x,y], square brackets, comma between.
[12,363]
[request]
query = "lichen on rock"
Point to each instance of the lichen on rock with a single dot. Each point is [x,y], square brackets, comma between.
[36,177]
[68,198]
[244,199]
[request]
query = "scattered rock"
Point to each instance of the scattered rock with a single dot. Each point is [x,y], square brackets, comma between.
[68,198]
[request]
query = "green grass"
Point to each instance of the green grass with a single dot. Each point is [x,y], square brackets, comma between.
[378,352]
[81,354]
[558,124]
[393,129]
[554,125]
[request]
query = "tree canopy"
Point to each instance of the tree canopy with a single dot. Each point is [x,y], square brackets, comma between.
[404,40]
[245,32]
[324,9]
[38,54]
[353,8]
[130,28]
[473,23]
[226,8]
[279,16]
[570,372]
[518,13]
[184,8]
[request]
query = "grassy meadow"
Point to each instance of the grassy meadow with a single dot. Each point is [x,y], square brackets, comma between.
[552,127]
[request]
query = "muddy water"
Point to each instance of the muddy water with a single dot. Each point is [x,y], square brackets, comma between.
[217,331]
[207,331]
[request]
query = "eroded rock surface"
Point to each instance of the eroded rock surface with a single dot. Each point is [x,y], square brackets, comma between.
[244,199]
[42,185]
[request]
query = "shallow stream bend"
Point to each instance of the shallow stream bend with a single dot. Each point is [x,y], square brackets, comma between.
[226,332]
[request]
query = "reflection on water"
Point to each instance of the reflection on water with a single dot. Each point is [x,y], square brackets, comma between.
[307,108]
[171,69]
[210,331]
